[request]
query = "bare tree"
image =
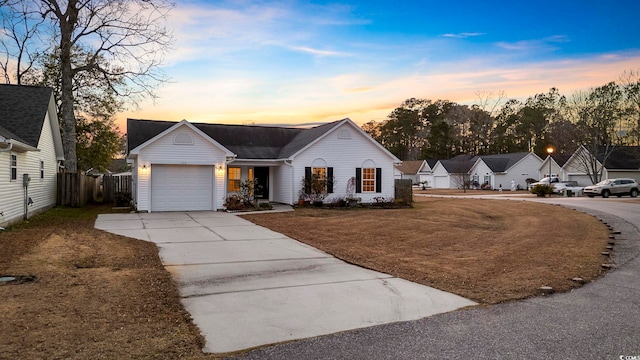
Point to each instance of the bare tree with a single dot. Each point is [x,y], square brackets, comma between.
[490,101]
[122,41]
[630,82]
[19,40]
[597,112]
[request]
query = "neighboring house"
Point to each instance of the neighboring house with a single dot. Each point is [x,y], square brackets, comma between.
[557,167]
[195,166]
[452,173]
[425,173]
[500,170]
[409,170]
[30,146]
[623,161]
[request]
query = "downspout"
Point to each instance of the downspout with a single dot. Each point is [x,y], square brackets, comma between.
[293,189]
[27,200]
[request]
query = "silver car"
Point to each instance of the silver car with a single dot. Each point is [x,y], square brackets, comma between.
[616,187]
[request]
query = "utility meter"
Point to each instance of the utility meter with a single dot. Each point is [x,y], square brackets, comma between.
[25,180]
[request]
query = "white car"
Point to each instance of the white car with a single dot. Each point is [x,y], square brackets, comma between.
[618,187]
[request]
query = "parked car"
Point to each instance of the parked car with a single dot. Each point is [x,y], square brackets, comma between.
[618,187]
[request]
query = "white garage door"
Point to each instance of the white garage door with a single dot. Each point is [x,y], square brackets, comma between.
[181,188]
[441,182]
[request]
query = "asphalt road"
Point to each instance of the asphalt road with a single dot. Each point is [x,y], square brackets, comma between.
[600,320]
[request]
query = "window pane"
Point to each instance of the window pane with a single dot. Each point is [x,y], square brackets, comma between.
[234,179]
[321,176]
[14,167]
[368,179]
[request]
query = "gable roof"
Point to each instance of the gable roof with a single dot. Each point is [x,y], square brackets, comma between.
[561,159]
[458,164]
[431,162]
[410,167]
[622,158]
[22,112]
[245,141]
[499,163]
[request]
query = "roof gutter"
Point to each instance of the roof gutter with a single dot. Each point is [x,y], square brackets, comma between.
[8,148]
[18,146]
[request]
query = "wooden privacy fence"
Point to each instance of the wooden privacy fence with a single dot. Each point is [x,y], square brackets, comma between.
[76,190]
[404,191]
[111,185]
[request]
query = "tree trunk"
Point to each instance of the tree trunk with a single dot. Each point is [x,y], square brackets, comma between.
[67,23]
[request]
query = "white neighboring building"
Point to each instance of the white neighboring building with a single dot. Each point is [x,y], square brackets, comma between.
[452,173]
[622,161]
[500,170]
[30,146]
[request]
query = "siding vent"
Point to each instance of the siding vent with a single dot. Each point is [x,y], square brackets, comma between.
[183,139]
[344,134]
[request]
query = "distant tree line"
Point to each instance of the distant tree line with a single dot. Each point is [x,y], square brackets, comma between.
[598,118]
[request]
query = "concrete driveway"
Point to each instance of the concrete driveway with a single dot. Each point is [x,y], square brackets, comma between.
[247,286]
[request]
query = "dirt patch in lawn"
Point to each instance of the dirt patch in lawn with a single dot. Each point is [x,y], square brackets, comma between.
[490,251]
[91,294]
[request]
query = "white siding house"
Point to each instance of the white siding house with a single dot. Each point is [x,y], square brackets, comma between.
[195,166]
[30,146]
[500,170]
[621,161]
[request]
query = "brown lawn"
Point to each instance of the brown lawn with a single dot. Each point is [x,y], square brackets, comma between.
[101,296]
[96,295]
[490,251]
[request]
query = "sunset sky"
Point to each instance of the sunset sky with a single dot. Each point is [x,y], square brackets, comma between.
[294,62]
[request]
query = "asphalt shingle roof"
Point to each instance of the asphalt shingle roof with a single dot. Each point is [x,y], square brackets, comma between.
[246,141]
[622,158]
[410,166]
[502,162]
[22,112]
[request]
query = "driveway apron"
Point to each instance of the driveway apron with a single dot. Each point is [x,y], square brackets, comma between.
[247,286]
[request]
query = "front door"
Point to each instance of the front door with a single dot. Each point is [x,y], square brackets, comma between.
[261,175]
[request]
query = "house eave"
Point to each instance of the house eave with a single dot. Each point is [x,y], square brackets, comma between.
[18,146]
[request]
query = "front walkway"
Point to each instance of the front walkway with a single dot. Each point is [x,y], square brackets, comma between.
[247,286]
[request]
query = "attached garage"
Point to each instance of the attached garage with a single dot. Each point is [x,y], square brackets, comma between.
[182,187]
[441,182]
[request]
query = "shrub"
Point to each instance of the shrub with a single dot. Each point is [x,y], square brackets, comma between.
[265,206]
[122,199]
[542,190]
[234,202]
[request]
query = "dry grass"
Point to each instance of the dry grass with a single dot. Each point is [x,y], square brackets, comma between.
[490,251]
[96,295]
[103,296]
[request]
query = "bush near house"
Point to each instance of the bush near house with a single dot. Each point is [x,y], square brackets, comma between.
[542,190]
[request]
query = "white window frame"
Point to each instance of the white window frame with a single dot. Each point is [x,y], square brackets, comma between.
[235,181]
[41,169]
[321,172]
[13,167]
[371,181]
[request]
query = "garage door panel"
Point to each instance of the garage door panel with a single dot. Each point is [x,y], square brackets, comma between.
[181,188]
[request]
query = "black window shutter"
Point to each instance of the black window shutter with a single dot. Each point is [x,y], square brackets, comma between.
[307,180]
[330,180]
[358,180]
[378,180]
